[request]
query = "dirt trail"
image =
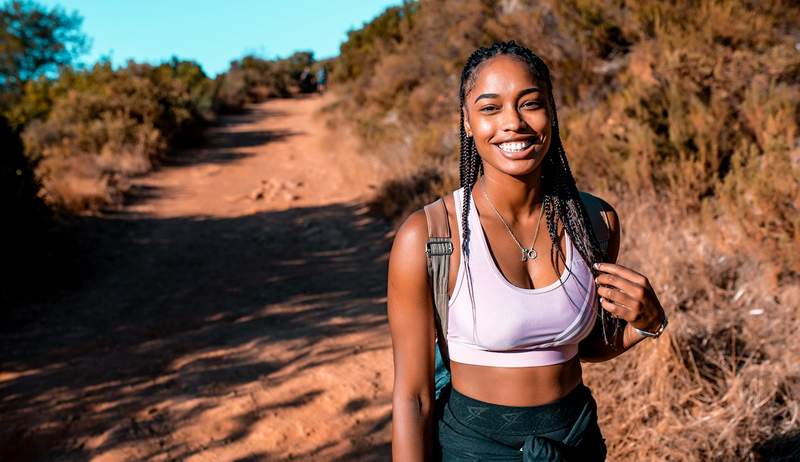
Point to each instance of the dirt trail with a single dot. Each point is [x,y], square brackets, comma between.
[233,311]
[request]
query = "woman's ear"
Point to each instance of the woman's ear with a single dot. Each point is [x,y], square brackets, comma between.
[466,123]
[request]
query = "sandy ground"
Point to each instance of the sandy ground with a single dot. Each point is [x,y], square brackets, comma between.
[234,310]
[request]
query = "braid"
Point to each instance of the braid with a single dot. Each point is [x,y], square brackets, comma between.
[561,201]
[465,167]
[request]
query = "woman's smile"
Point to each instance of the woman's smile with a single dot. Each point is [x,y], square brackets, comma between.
[515,146]
[519,149]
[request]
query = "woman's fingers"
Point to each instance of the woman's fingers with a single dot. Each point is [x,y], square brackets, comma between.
[618,284]
[616,310]
[629,295]
[623,273]
[622,286]
[617,296]
[622,290]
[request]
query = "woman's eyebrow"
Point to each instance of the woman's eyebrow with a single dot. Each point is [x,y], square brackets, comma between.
[487,95]
[527,91]
[521,93]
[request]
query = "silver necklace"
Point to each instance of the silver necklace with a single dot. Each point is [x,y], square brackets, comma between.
[527,253]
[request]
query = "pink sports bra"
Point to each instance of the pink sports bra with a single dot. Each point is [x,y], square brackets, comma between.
[516,327]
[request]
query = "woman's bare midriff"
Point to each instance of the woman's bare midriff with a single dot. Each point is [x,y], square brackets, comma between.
[516,386]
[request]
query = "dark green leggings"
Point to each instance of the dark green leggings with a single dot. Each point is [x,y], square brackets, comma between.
[564,430]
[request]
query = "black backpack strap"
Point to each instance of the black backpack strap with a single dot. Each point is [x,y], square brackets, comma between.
[597,215]
[438,250]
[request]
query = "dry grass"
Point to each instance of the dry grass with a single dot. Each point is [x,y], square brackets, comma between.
[81,182]
[723,383]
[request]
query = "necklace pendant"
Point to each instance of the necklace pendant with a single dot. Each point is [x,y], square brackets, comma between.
[528,254]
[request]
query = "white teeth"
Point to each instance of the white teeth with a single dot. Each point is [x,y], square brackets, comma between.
[515,146]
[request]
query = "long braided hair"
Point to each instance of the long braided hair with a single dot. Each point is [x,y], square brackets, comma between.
[561,202]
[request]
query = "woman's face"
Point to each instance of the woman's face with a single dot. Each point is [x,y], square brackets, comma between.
[506,112]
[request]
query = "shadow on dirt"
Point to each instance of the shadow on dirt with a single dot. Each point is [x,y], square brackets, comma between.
[100,358]
[250,114]
[222,147]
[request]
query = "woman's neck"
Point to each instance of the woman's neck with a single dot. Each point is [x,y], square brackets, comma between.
[515,197]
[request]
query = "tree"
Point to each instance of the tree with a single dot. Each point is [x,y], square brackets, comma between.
[35,41]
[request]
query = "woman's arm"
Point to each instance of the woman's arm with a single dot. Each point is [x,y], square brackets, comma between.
[593,349]
[627,295]
[410,312]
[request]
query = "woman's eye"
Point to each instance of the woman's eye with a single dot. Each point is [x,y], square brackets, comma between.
[488,108]
[531,104]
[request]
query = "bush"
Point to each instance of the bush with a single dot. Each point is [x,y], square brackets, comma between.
[106,125]
[704,114]
[364,47]
[253,79]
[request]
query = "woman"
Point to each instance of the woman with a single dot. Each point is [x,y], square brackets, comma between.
[525,293]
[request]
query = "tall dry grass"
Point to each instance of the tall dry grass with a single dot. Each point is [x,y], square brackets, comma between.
[684,116]
[723,382]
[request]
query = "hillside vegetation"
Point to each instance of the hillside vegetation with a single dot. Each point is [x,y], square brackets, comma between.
[90,130]
[684,116]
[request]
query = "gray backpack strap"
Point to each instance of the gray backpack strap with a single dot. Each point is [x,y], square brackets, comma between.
[438,249]
[598,217]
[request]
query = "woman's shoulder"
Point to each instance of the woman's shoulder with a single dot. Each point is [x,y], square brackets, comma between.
[407,259]
[412,233]
[414,228]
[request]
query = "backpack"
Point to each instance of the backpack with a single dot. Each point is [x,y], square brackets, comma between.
[438,250]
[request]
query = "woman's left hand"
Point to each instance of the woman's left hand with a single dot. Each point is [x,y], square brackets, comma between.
[628,295]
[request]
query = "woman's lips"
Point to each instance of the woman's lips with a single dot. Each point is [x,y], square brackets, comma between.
[516,154]
[516,146]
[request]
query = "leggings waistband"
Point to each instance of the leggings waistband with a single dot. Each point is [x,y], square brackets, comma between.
[493,418]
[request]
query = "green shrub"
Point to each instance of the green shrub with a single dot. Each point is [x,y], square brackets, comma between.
[253,79]
[364,47]
[704,114]
[105,125]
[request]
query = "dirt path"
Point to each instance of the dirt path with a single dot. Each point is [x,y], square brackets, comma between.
[233,311]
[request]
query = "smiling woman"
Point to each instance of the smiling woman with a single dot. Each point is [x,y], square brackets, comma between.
[514,311]
[513,123]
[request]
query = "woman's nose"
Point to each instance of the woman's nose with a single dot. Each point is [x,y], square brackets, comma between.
[512,120]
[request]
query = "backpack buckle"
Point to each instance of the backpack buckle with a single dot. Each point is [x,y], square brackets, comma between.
[439,248]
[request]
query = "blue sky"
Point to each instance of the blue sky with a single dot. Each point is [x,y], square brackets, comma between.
[215,32]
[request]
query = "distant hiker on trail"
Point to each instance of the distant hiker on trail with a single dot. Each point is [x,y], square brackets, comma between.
[498,291]
[322,79]
[307,81]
